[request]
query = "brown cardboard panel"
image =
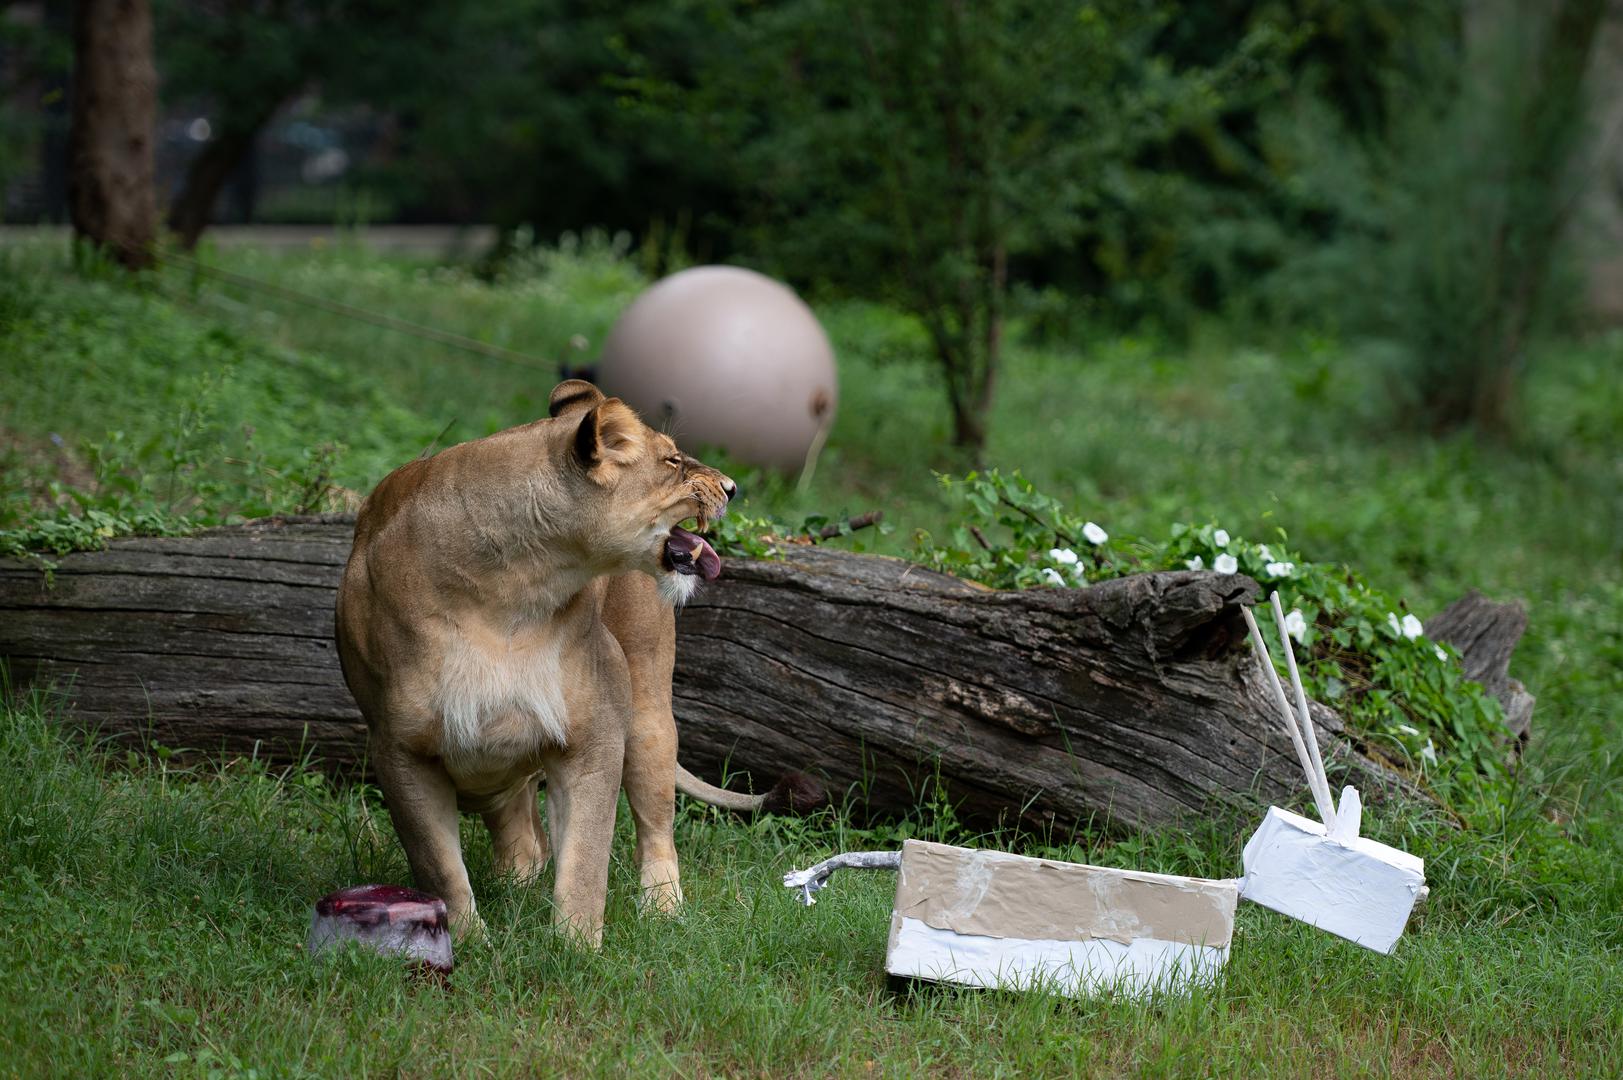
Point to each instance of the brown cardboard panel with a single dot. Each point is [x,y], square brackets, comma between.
[995,894]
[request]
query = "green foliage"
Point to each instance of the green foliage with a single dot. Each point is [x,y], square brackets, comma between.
[763,537]
[176,423]
[1450,212]
[88,529]
[1403,695]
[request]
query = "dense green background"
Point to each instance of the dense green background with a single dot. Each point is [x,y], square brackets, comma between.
[1295,268]
[158,910]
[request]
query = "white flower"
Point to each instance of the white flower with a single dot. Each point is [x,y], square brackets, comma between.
[1296,626]
[1267,556]
[1411,627]
[1221,538]
[1052,576]
[1428,753]
[1226,564]
[1280,569]
[1392,621]
[1197,563]
[1062,555]
[1408,729]
[1094,534]
[1442,654]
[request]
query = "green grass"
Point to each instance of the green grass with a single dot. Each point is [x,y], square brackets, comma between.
[158,912]
[155,917]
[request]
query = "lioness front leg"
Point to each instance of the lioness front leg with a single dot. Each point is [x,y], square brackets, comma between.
[583,793]
[422,805]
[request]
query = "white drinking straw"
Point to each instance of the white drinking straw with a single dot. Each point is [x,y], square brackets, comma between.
[1301,700]
[1321,796]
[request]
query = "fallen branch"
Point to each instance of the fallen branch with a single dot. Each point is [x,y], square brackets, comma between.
[851,525]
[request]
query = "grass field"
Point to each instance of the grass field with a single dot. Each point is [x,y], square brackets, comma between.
[155,913]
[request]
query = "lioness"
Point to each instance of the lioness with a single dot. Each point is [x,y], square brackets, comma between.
[506,613]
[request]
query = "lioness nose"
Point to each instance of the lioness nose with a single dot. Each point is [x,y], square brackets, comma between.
[729,489]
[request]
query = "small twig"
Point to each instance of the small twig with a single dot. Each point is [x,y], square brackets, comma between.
[980,537]
[861,521]
[428,450]
[1006,501]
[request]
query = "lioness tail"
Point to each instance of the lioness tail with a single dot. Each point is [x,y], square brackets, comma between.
[794,793]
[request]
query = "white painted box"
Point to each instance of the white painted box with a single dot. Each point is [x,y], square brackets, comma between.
[1353,887]
[991,919]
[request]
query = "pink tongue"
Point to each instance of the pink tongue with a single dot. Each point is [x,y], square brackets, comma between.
[704,556]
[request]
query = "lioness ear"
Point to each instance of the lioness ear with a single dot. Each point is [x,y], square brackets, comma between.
[572,395]
[609,432]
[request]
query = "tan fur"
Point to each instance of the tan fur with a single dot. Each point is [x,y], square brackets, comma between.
[504,616]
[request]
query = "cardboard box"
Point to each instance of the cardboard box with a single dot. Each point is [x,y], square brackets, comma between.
[991,919]
[1353,887]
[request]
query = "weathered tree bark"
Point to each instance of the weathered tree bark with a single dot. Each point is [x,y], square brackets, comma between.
[1131,702]
[110,146]
[1486,633]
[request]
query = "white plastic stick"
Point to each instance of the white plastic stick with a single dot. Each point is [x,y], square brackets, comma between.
[1287,717]
[1308,733]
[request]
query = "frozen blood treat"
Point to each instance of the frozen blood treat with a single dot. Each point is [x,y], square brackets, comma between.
[389,919]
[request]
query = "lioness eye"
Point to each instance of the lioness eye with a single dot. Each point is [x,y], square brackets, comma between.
[674,460]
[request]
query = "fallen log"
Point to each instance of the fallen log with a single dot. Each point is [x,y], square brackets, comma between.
[1131,702]
[1485,633]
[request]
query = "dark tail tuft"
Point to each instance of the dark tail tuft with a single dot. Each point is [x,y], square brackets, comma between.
[795,793]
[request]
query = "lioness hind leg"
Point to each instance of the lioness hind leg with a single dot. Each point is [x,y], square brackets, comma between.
[650,784]
[422,805]
[517,840]
[646,629]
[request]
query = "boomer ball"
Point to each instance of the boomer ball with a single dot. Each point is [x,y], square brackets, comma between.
[722,356]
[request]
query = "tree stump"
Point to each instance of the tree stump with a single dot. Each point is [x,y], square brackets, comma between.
[1132,702]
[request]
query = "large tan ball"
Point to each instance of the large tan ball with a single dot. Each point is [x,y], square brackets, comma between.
[722,356]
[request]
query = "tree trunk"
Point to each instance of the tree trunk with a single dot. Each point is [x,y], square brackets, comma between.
[1133,702]
[115,90]
[193,208]
[968,425]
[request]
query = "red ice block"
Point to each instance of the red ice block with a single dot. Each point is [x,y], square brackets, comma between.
[389,919]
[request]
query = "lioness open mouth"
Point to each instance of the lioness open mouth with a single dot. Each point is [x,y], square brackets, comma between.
[690,553]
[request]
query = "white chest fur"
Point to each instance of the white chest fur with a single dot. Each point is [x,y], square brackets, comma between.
[500,701]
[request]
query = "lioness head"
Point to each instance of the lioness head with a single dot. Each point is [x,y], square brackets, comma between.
[641,488]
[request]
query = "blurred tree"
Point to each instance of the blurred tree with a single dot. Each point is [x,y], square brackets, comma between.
[248,58]
[115,94]
[532,116]
[1449,213]
[914,149]
[36,70]
[513,112]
